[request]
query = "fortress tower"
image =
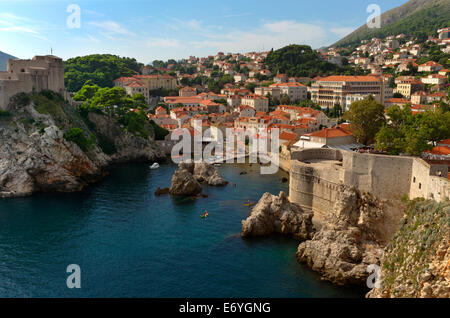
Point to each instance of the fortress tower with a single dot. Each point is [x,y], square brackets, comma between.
[39,73]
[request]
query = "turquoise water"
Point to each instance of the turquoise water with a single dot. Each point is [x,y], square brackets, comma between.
[130,243]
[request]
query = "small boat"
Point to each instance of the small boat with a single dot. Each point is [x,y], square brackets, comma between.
[205,215]
[249,204]
[154,166]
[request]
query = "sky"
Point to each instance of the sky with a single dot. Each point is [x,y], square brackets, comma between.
[173,29]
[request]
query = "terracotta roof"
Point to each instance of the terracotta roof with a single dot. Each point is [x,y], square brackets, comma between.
[441,150]
[287,136]
[330,133]
[340,78]
[397,100]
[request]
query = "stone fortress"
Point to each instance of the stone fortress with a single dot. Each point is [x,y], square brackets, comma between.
[317,176]
[39,73]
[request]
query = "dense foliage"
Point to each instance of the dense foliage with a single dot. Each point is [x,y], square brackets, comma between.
[412,134]
[100,69]
[301,60]
[77,136]
[128,111]
[366,118]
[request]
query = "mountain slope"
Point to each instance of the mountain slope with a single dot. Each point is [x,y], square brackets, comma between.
[418,18]
[3,58]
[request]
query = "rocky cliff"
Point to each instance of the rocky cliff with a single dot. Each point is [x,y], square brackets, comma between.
[416,263]
[36,154]
[275,214]
[348,241]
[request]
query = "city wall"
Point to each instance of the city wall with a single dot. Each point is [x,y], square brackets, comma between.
[316,176]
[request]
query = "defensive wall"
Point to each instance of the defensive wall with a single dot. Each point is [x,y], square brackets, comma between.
[316,176]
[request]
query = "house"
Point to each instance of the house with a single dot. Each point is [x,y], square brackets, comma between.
[430,66]
[295,91]
[435,97]
[434,79]
[337,137]
[259,103]
[187,91]
[409,86]
[246,111]
[281,78]
[396,101]
[419,97]
[240,78]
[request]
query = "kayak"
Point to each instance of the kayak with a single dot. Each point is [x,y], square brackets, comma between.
[205,215]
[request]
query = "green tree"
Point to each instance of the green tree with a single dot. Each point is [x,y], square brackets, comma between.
[366,118]
[86,92]
[100,69]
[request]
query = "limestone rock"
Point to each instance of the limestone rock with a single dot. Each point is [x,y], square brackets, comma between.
[35,156]
[184,183]
[275,214]
[416,262]
[345,245]
[207,173]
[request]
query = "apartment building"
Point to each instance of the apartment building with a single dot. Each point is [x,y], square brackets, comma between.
[407,87]
[333,90]
[259,103]
[295,91]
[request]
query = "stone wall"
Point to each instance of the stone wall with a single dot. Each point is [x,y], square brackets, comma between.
[39,73]
[317,173]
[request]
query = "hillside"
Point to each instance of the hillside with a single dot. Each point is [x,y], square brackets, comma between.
[301,60]
[101,69]
[418,18]
[415,263]
[3,58]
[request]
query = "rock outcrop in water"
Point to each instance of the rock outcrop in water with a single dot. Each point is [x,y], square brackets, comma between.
[35,155]
[416,263]
[183,182]
[347,243]
[187,178]
[207,173]
[275,214]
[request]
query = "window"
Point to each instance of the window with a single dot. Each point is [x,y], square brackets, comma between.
[414,180]
[420,185]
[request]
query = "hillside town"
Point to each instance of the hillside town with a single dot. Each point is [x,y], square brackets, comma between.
[306,110]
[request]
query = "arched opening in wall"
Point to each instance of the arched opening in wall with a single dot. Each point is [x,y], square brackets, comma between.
[414,180]
[22,70]
[420,185]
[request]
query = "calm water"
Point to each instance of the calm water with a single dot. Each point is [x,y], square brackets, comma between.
[130,243]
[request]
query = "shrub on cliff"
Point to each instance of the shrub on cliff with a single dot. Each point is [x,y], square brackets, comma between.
[415,262]
[160,133]
[77,136]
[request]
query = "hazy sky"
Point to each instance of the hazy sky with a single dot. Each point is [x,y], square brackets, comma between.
[149,30]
